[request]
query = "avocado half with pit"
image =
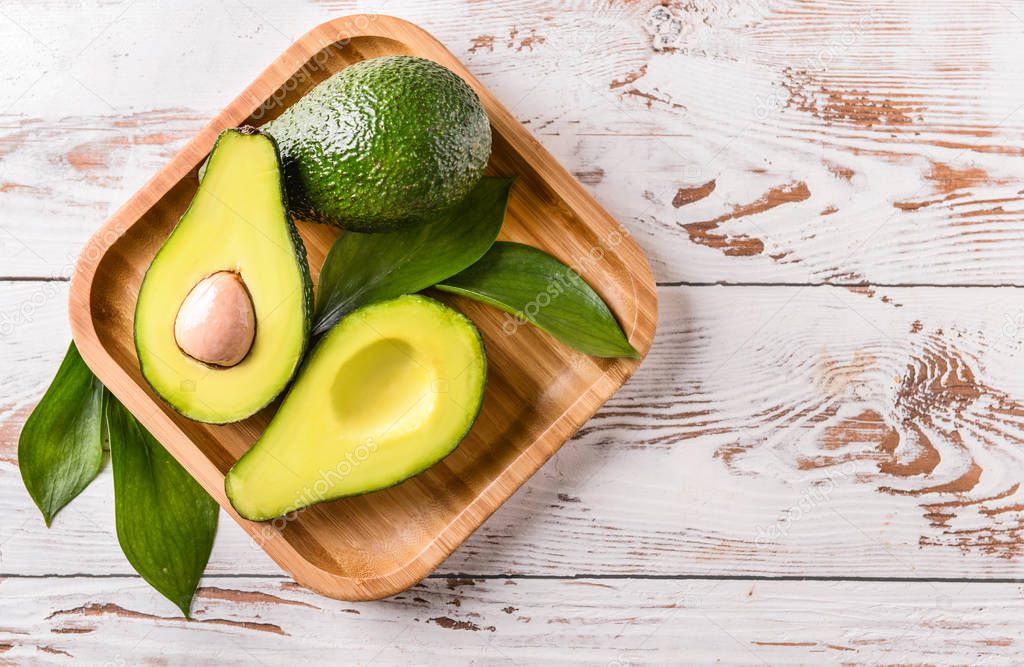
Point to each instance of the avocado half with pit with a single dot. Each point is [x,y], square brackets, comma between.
[223,315]
[391,390]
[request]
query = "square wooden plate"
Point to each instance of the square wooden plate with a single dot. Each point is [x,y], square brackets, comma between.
[539,391]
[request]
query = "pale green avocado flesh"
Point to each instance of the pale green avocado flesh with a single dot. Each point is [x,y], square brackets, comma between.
[238,221]
[391,390]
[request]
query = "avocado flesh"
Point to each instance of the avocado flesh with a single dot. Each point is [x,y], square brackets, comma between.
[382,144]
[238,221]
[391,390]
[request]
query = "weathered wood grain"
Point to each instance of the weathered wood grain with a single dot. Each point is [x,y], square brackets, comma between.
[60,178]
[774,142]
[800,431]
[772,431]
[508,621]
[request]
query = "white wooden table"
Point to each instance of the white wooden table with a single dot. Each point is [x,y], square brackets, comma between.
[820,460]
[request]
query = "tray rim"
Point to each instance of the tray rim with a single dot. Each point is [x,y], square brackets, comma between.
[500,487]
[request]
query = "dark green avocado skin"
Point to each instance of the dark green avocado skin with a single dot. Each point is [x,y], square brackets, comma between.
[382,144]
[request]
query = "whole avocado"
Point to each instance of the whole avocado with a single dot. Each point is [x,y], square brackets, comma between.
[382,144]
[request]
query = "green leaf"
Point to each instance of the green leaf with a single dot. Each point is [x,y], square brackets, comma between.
[537,288]
[363,268]
[165,520]
[60,449]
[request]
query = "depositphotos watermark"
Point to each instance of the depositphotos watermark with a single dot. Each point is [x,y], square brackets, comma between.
[807,78]
[810,500]
[353,26]
[318,490]
[44,293]
[555,288]
[561,282]
[275,101]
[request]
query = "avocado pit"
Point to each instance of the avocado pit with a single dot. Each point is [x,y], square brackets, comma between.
[216,323]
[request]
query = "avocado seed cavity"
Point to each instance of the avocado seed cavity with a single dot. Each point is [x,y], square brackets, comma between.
[216,323]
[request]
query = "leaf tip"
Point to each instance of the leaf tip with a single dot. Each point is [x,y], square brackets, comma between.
[48,513]
[186,608]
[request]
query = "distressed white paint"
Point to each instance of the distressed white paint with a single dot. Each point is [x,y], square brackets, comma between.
[650,485]
[715,459]
[506,621]
[900,99]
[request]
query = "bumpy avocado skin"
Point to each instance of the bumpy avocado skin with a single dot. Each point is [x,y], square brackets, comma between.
[298,247]
[382,143]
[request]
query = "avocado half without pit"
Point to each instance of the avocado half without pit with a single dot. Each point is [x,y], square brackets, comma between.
[388,392]
[222,320]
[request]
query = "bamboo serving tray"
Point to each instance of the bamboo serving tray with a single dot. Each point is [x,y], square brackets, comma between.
[539,391]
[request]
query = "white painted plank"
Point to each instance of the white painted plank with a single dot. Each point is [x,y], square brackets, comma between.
[878,144]
[800,431]
[501,621]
